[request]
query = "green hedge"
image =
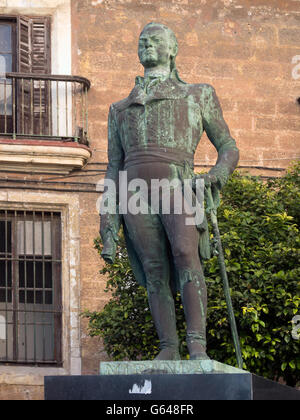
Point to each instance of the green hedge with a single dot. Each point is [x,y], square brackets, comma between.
[259,224]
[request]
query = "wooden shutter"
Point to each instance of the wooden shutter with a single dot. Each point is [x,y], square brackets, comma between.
[40,41]
[34,56]
[24,45]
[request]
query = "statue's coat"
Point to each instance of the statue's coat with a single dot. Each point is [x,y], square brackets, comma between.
[172,115]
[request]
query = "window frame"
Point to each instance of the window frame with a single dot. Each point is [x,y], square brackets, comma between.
[13,217]
[23,62]
[12,21]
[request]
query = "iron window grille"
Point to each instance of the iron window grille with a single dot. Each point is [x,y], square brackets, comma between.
[30,287]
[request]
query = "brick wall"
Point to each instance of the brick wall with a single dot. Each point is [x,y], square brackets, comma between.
[243,48]
[247,49]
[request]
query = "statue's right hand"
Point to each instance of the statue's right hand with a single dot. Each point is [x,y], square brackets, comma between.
[109,248]
[109,226]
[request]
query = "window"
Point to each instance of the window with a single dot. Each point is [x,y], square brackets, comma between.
[7,64]
[30,287]
[24,48]
[33,102]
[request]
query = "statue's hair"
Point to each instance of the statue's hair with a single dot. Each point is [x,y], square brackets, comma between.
[171,35]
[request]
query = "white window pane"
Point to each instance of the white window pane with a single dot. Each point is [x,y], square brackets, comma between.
[5,98]
[34,236]
[5,38]
[5,64]
[2,66]
[2,328]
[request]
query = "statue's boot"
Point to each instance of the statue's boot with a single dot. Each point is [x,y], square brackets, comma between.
[163,313]
[194,300]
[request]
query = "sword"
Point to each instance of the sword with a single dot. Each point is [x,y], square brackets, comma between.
[211,208]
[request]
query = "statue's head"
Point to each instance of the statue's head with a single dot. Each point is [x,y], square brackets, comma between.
[157,46]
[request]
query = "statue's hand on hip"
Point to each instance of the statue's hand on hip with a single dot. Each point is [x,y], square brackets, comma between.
[209,180]
[211,190]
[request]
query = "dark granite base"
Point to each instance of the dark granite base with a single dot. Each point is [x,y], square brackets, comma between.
[233,386]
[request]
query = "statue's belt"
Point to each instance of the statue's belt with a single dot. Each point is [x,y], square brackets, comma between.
[152,153]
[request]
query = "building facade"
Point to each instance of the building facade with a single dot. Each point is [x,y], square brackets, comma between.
[62,63]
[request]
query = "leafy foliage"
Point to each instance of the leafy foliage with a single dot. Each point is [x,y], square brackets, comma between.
[259,223]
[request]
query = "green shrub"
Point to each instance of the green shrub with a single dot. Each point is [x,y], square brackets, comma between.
[259,224]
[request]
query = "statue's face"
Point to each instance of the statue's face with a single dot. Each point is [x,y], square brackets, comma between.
[154,47]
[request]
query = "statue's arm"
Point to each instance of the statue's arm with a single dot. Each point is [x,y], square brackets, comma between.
[219,134]
[110,219]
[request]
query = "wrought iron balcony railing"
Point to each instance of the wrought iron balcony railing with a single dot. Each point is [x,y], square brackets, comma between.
[43,106]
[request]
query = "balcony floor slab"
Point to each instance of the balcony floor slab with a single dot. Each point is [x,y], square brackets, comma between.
[32,156]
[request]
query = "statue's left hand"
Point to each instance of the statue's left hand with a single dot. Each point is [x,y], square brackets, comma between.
[212,188]
[209,180]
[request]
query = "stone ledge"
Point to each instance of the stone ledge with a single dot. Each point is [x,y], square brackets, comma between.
[21,375]
[166,367]
[42,157]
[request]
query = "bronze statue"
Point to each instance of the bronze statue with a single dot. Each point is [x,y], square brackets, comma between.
[153,134]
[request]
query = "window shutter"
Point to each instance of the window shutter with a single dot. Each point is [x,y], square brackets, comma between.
[34,56]
[40,42]
[24,45]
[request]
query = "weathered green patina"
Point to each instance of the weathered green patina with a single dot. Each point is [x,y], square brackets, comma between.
[153,134]
[179,367]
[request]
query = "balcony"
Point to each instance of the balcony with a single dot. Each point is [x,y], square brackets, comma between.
[43,123]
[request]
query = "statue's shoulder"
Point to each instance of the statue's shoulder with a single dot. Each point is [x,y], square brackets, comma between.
[182,89]
[118,106]
[200,88]
[191,88]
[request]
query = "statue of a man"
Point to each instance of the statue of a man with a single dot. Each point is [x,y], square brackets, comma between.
[153,134]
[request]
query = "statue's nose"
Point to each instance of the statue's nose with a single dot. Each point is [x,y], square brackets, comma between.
[148,43]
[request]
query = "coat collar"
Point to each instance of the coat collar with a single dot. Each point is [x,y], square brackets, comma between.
[170,88]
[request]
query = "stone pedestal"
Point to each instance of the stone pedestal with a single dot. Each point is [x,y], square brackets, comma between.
[167,381]
[178,367]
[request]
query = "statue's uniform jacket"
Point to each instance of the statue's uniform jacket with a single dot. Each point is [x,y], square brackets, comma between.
[172,115]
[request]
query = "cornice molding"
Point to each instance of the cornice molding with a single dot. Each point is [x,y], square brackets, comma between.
[50,157]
